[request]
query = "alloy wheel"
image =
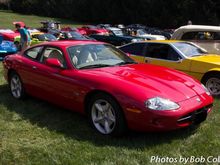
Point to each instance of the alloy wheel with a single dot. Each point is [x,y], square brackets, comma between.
[103,116]
[213,85]
[16,86]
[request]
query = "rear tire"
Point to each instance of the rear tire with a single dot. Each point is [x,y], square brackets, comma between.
[106,116]
[212,83]
[16,86]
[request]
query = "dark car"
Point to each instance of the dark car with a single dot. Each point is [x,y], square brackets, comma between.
[74,35]
[156,31]
[116,37]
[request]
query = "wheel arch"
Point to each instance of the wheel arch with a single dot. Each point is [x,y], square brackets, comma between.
[10,71]
[122,124]
[210,72]
[93,93]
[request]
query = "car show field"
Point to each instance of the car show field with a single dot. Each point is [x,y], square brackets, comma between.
[33,131]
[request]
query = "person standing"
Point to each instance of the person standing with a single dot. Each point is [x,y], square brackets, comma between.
[25,36]
[189,22]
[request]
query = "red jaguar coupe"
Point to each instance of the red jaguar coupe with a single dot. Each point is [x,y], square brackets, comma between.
[102,82]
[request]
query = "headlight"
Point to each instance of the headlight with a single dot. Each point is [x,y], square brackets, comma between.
[206,90]
[158,103]
[134,40]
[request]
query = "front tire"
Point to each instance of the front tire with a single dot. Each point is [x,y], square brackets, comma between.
[16,86]
[212,83]
[106,115]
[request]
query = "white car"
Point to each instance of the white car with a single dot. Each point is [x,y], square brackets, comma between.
[142,33]
[207,37]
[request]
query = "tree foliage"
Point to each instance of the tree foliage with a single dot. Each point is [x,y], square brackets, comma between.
[160,13]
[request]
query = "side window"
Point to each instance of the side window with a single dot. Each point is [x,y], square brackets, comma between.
[51,52]
[173,55]
[216,36]
[135,49]
[189,36]
[200,35]
[33,52]
[162,51]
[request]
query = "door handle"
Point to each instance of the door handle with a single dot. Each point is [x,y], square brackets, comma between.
[34,67]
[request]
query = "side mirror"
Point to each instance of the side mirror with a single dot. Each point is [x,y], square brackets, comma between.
[53,62]
[180,61]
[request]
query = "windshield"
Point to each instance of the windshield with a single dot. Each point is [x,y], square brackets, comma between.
[141,32]
[75,35]
[47,37]
[189,49]
[97,55]
[118,32]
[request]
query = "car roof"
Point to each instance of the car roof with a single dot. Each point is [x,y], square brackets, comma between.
[200,27]
[193,28]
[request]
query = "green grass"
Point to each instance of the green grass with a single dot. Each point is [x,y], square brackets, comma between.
[36,132]
[7,17]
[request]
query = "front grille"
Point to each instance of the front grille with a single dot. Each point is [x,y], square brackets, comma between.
[195,117]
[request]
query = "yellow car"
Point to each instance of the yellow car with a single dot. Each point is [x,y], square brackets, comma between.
[180,55]
[36,38]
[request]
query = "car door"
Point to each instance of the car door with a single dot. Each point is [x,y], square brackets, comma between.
[165,55]
[135,50]
[54,82]
[27,66]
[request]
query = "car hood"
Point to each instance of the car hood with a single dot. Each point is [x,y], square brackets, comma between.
[152,81]
[210,58]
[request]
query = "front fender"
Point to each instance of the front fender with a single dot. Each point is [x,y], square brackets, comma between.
[214,69]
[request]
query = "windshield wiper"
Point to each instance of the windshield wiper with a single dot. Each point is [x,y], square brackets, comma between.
[126,62]
[94,66]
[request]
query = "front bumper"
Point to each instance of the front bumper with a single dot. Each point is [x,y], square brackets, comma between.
[191,112]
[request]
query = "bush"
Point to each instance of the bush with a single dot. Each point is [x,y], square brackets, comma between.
[160,13]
